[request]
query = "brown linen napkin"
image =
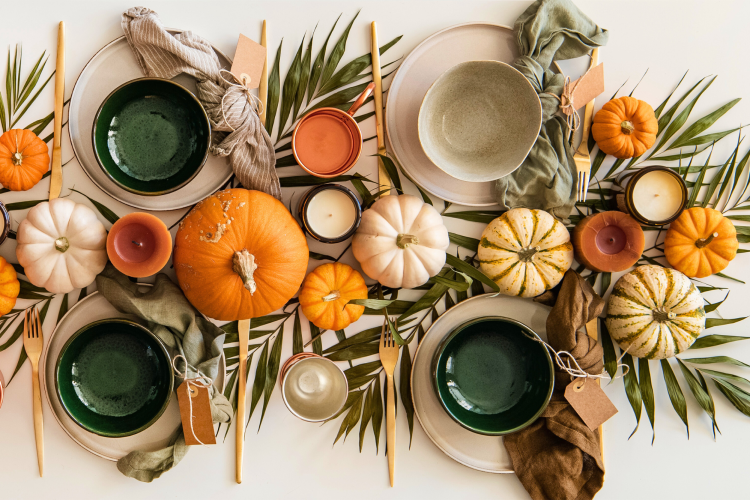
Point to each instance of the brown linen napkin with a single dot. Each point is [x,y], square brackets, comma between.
[558,456]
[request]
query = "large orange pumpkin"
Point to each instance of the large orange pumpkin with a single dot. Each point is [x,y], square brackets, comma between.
[239,254]
[24,159]
[701,242]
[325,294]
[9,287]
[625,127]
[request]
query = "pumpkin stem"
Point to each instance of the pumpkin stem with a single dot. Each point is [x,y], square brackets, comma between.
[663,316]
[17,158]
[243,263]
[705,241]
[334,295]
[627,127]
[62,244]
[404,240]
[527,254]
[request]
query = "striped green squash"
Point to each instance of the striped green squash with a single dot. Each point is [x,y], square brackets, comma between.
[525,252]
[655,313]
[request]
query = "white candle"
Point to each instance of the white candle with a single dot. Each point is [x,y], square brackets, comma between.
[658,195]
[331,213]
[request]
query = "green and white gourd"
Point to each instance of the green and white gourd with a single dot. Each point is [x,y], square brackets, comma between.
[525,252]
[655,313]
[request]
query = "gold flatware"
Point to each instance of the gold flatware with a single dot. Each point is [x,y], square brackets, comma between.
[33,343]
[55,178]
[383,180]
[592,329]
[243,328]
[263,89]
[388,358]
[581,157]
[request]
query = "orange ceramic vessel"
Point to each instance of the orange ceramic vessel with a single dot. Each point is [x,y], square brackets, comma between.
[139,245]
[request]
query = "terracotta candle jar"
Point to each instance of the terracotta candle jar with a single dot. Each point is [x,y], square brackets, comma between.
[653,196]
[139,245]
[608,242]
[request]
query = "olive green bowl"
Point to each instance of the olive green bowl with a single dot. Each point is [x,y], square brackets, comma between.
[114,378]
[492,377]
[151,136]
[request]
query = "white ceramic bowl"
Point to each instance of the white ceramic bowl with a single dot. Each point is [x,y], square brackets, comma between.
[479,120]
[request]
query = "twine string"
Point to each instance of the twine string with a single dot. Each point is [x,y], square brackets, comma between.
[193,384]
[255,103]
[567,105]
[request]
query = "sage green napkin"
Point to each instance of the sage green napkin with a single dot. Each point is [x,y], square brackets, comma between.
[184,331]
[549,30]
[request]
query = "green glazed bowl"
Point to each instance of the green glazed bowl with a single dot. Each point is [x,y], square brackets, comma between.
[114,378]
[492,377]
[151,136]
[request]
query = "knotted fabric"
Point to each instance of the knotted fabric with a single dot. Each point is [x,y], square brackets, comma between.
[558,456]
[185,332]
[234,113]
[549,30]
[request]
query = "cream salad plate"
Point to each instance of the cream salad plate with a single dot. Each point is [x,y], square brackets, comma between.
[112,66]
[92,308]
[480,452]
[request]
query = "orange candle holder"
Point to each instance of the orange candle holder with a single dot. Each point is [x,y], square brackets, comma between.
[139,245]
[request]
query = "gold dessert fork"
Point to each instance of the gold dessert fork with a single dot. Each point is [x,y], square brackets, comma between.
[388,358]
[581,157]
[33,342]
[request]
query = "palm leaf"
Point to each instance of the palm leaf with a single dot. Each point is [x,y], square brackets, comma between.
[317,67]
[405,388]
[701,125]
[289,91]
[336,54]
[304,77]
[701,395]
[633,390]
[682,117]
[272,371]
[274,88]
[675,394]
[647,392]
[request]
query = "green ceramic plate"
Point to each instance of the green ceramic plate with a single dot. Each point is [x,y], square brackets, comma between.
[151,136]
[492,377]
[114,378]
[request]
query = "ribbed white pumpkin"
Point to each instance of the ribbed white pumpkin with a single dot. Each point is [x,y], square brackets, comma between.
[525,252]
[401,241]
[655,312]
[61,245]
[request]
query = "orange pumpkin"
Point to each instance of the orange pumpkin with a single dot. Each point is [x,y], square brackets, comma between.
[239,254]
[325,294]
[24,159]
[701,242]
[625,127]
[9,287]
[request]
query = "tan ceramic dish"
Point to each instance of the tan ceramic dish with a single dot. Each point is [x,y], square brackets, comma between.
[479,120]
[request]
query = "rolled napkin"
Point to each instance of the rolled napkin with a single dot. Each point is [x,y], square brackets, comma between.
[558,457]
[548,30]
[231,108]
[184,331]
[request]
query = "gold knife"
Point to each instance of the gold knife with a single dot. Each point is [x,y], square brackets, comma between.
[55,182]
[383,180]
[263,89]
[243,328]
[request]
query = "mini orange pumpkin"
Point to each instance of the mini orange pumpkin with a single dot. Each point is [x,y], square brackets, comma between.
[24,159]
[239,254]
[701,242]
[9,287]
[625,127]
[325,294]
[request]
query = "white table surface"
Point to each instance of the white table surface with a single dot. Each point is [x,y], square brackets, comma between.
[293,459]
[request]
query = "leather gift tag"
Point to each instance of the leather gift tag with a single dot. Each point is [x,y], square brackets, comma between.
[249,59]
[590,402]
[195,399]
[586,88]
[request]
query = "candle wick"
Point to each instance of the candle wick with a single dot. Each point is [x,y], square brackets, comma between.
[137,243]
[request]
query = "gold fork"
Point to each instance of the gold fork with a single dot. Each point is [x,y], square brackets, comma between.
[581,157]
[33,342]
[388,358]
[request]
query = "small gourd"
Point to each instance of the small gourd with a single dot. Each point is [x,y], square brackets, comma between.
[325,295]
[625,127]
[24,159]
[9,287]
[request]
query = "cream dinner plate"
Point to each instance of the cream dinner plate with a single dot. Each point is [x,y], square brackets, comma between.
[484,453]
[92,308]
[112,66]
[429,60]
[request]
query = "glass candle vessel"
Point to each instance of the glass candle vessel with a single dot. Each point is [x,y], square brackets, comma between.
[330,213]
[313,387]
[653,196]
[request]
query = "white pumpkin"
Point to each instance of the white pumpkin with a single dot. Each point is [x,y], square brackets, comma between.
[655,312]
[61,245]
[525,252]
[401,241]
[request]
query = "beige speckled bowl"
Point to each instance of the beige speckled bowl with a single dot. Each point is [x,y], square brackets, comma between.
[479,120]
